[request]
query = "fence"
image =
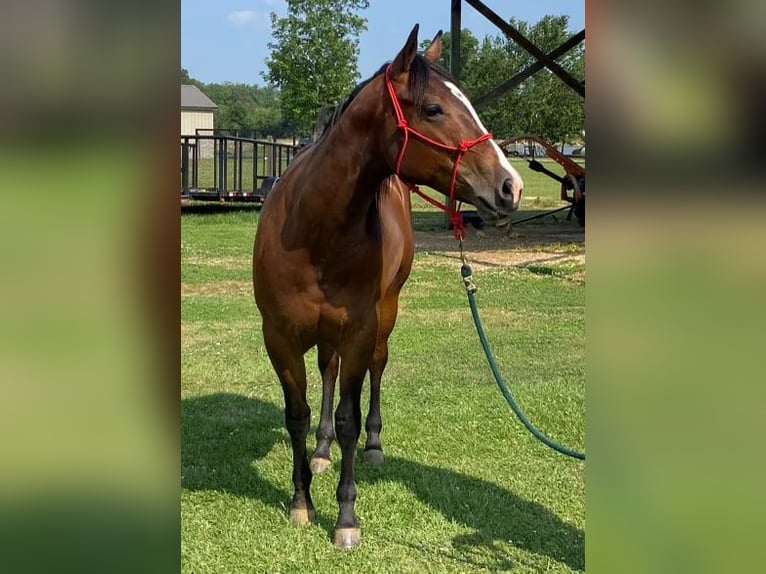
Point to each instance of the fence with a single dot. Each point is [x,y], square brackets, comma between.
[230,168]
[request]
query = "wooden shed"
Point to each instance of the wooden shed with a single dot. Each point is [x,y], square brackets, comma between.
[196,110]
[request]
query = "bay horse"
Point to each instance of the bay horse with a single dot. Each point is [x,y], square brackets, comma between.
[334,246]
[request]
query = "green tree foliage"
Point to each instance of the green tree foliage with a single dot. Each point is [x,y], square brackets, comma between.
[543,105]
[313,58]
[469,47]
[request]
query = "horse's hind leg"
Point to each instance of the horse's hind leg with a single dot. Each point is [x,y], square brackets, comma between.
[328,361]
[287,360]
[373,448]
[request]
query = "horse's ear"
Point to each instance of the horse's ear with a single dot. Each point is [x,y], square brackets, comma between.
[403,60]
[434,51]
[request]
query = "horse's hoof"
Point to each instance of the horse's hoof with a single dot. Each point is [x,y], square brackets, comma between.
[348,538]
[302,516]
[373,456]
[319,465]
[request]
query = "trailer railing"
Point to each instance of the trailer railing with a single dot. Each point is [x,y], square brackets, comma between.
[231,168]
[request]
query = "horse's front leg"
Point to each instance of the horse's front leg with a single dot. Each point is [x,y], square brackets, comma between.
[327,360]
[373,448]
[355,360]
[287,360]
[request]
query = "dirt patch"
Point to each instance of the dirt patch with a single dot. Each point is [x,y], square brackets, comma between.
[505,259]
[530,237]
[449,318]
[195,334]
[232,263]
[215,333]
[217,288]
[493,248]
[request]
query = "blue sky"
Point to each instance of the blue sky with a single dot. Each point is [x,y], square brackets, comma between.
[226,40]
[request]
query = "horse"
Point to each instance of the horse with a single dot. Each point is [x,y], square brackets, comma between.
[334,246]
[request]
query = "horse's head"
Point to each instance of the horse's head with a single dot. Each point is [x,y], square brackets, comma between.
[434,108]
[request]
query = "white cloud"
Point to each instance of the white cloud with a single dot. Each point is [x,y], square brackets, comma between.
[247,19]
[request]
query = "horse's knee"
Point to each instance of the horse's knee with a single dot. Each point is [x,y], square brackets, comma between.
[298,426]
[348,421]
[347,429]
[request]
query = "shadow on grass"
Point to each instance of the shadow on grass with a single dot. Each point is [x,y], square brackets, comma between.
[223,433]
[497,515]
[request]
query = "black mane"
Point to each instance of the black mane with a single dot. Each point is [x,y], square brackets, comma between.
[420,75]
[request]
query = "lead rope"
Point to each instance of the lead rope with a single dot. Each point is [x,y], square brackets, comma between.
[467,274]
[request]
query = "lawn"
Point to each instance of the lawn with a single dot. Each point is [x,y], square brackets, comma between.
[464,488]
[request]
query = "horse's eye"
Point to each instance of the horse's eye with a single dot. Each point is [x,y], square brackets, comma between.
[433,110]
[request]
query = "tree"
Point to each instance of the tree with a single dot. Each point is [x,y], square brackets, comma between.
[314,52]
[558,112]
[542,105]
[469,46]
[186,79]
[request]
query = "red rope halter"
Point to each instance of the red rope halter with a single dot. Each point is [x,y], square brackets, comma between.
[461,149]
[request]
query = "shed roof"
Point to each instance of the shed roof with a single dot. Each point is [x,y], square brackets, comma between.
[193,97]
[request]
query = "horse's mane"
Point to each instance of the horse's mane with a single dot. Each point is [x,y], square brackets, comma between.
[420,75]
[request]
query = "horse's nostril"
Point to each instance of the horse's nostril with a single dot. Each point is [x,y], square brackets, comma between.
[508,187]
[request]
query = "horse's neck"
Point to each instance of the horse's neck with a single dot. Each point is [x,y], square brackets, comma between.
[342,175]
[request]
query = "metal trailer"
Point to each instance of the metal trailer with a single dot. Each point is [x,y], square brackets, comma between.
[226,168]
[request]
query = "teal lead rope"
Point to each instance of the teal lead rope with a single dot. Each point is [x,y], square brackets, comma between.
[467,275]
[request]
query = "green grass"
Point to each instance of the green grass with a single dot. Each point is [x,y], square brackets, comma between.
[464,488]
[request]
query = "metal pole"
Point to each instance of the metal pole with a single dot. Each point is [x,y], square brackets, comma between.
[485,100]
[455,65]
[240,166]
[185,166]
[255,158]
[274,161]
[222,156]
[522,41]
[195,162]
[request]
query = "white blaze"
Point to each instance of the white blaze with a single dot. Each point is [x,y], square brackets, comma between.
[500,155]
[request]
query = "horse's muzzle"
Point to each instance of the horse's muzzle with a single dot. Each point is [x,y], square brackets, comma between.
[508,197]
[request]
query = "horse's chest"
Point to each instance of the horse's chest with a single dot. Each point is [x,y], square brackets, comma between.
[339,322]
[348,302]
